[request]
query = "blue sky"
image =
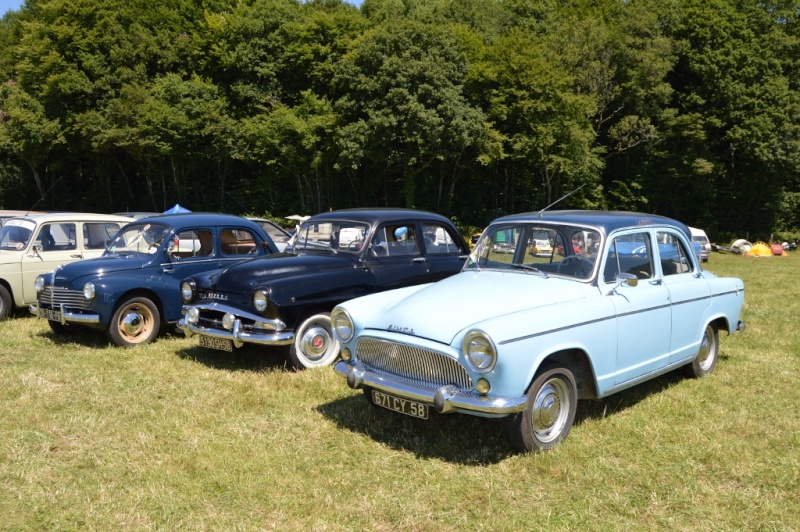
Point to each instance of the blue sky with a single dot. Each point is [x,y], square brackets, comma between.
[8,5]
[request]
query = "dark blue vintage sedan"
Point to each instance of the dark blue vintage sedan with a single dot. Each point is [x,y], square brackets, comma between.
[286,299]
[133,288]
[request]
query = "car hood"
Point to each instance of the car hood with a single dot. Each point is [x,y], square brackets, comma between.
[244,277]
[98,266]
[441,310]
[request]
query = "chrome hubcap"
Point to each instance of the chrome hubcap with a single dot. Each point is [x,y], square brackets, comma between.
[550,410]
[132,323]
[315,342]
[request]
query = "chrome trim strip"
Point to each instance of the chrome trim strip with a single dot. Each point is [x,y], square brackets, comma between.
[446,400]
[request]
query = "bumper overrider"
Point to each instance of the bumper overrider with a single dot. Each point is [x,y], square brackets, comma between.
[446,399]
[264,331]
[66,316]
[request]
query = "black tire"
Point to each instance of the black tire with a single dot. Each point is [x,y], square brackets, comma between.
[706,359]
[314,343]
[552,402]
[63,329]
[136,321]
[5,302]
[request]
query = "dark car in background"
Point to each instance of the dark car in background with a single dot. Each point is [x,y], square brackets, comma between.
[133,288]
[286,299]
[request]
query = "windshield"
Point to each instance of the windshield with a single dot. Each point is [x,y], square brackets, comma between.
[566,251]
[138,238]
[15,234]
[336,236]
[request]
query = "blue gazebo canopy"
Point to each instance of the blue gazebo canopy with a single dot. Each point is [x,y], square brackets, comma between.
[177,209]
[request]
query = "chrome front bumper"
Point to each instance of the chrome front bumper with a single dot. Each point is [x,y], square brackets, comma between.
[273,330]
[446,400]
[68,317]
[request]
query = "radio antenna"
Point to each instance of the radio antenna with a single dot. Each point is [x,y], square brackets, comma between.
[43,195]
[568,194]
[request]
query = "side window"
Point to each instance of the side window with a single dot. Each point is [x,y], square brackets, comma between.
[57,237]
[395,241]
[97,235]
[237,242]
[673,255]
[438,239]
[193,244]
[629,254]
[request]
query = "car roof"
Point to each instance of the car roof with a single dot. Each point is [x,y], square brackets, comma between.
[196,218]
[377,215]
[606,221]
[74,216]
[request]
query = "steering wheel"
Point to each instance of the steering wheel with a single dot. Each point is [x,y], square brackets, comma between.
[582,266]
[355,245]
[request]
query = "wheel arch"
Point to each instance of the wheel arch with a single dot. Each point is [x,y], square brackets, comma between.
[577,361]
[139,292]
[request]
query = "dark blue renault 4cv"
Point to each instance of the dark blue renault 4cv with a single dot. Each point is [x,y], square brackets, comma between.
[133,288]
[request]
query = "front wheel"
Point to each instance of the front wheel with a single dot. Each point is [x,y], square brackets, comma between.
[314,344]
[5,302]
[552,402]
[136,321]
[706,359]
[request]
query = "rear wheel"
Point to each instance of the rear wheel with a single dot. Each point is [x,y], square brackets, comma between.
[314,344]
[552,402]
[5,302]
[706,359]
[136,321]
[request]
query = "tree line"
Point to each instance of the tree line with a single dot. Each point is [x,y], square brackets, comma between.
[470,108]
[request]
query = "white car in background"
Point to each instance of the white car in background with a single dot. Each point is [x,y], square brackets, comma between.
[699,236]
[38,243]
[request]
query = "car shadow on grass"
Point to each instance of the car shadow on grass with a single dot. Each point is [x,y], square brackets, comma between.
[455,438]
[465,439]
[247,358]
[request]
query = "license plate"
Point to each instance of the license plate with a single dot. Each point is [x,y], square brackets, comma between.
[216,343]
[396,404]
[50,315]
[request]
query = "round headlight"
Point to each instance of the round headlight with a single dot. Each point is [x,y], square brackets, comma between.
[342,324]
[187,291]
[228,320]
[260,300]
[193,315]
[38,284]
[480,351]
[88,290]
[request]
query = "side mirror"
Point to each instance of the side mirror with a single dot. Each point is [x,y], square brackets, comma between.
[172,246]
[624,278]
[38,248]
[628,279]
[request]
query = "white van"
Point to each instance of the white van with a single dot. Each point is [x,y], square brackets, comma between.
[699,236]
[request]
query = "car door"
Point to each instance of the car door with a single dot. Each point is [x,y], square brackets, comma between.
[690,295]
[443,253]
[54,244]
[188,252]
[643,313]
[192,251]
[394,256]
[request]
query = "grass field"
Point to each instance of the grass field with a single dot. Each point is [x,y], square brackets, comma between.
[171,436]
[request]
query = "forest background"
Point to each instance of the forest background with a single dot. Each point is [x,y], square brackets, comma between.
[470,108]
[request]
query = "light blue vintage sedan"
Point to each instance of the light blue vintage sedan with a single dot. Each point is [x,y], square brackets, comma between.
[523,335]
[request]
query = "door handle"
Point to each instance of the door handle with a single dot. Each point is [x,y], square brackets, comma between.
[419,259]
[78,256]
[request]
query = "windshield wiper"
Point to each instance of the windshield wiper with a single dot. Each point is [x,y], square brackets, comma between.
[530,269]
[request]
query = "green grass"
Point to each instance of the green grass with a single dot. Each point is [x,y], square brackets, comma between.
[170,436]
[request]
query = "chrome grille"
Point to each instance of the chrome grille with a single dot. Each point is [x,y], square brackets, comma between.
[53,296]
[412,363]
